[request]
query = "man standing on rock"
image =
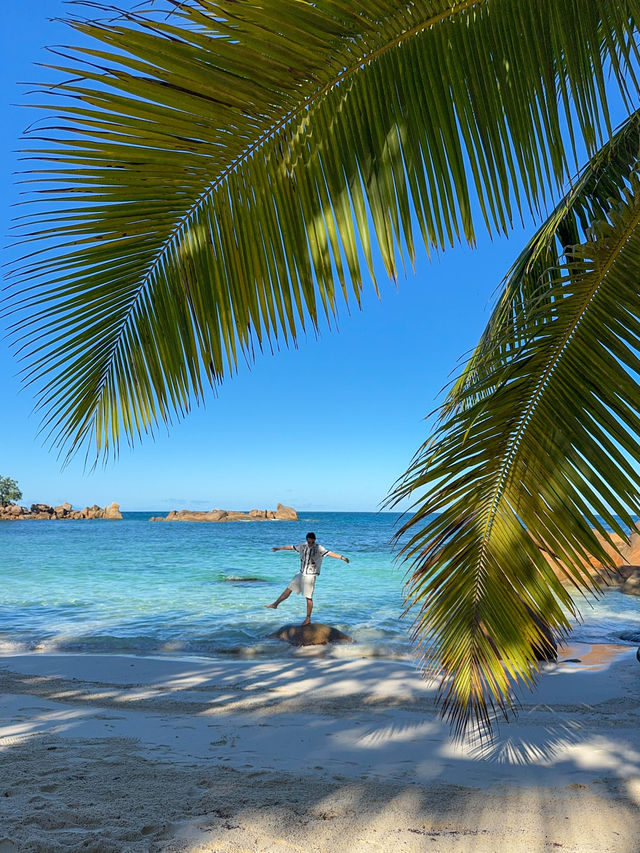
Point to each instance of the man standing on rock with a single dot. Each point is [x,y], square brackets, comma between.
[311,556]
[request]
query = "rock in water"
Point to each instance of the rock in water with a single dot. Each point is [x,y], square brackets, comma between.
[631,583]
[283,513]
[630,636]
[314,634]
[286,513]
[113,512]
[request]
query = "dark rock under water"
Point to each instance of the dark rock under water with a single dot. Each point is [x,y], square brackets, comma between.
[244,580]
[630,636]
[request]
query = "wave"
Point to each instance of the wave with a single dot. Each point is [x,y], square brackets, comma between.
[209,647]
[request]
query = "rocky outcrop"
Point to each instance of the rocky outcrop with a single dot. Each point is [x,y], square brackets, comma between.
[282,513]
[314,634]
[621,570]
[627,577]
[607,570]
[625,572]
[593,566]
[629,580]
[112,512]
[286,513]
[12,511]
[63,510]
[631,552]
[615,552]
[44,512]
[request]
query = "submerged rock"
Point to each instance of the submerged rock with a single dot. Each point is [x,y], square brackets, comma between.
[314,634]
[630,636]
[235,579]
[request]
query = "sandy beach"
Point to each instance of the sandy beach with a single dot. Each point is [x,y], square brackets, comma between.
[333,753]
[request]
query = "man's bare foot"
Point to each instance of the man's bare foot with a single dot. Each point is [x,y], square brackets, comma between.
[307,621]
[272,606]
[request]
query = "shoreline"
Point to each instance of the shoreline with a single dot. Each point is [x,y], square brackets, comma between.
[132,753]
[270,649]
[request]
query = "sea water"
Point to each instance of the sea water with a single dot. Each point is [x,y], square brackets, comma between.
[141,587]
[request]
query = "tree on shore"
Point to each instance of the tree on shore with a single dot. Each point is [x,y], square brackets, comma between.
[210,183]
[9,491]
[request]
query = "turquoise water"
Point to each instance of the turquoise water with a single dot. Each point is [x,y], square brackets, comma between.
[134,586]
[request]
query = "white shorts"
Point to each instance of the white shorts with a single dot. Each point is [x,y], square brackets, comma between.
[303,584]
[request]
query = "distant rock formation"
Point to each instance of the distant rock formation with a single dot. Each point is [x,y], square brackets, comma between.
[282,513]
[44,512]
[313,634]
[286,513]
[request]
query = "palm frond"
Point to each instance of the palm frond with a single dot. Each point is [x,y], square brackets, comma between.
[537,448]
[211,176]
[531,278]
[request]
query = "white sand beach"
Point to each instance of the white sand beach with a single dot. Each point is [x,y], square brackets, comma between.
[334,753]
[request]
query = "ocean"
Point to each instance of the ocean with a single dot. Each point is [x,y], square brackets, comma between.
[141,587]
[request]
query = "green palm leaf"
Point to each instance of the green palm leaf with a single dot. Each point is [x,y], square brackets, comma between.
[537,444]
[531,279]
[212,176]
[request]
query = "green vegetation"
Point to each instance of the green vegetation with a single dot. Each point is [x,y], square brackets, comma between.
[9,491]
[205,187]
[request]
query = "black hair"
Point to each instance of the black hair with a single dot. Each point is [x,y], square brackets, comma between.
[310,536]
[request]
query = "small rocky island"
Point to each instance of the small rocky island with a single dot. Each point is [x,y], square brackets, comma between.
[281,513]
[44,512]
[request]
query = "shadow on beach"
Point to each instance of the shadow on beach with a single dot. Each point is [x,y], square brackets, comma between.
[129,754]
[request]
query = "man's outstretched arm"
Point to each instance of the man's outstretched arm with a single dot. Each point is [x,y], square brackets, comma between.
[337,556]
[283,548]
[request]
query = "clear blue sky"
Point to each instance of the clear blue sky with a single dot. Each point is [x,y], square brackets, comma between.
[328,426]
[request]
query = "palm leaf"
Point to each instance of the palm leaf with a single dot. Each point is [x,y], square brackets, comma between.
[537,447]
[210,176]
[531,278]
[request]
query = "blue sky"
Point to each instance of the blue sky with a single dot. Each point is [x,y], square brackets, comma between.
[328,426]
